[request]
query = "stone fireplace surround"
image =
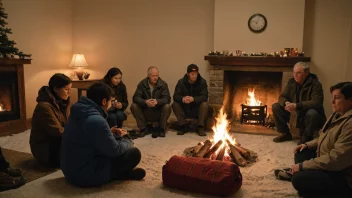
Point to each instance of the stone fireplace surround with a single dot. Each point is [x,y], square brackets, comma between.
[220,64]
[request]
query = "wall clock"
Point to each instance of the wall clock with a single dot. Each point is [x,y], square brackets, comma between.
[257,23]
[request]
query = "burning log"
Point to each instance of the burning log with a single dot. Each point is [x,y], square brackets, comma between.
[221,154]
[197,148]
[204,149]
[239,160]
[213,149]
[242,151]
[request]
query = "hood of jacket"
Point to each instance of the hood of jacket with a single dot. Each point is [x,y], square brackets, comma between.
[84,108]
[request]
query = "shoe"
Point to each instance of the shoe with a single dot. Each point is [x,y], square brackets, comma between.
[137,174]
[283,174]
[155,133]
[161,133]
[183,130]
[143,132]
[201,131]
[14,172]
[283,137]
[304,139]
[7,182]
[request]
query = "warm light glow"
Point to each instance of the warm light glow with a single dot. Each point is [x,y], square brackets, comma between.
[221,131]
[251,101]
[78,61]
[1,109]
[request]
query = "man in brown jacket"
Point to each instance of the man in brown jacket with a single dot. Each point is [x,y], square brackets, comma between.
[324,164]
[303,98]
[151,102]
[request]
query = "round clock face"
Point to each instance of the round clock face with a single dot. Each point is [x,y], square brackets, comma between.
[257,23]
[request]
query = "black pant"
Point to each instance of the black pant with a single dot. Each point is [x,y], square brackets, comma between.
[200,112]
[313,121]
[123,165]
[154,114]
[318,182]
[3,163]
[116,118]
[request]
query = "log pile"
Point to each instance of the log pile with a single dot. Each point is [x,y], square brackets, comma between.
[236,153]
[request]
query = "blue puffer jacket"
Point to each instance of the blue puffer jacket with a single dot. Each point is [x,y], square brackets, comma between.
[88,145]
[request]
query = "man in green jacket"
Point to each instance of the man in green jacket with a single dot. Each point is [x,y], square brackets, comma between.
[302,97]
[151,102]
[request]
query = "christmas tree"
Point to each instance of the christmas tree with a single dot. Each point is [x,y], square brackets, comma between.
[7,46]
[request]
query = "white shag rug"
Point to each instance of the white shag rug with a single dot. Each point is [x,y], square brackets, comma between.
[258,179]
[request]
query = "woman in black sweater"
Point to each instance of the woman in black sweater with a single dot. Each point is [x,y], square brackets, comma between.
[116,114]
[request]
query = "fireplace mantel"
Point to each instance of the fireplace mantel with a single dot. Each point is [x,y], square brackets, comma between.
[255,61]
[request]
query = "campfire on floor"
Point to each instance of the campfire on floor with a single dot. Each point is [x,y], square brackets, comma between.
[222,146]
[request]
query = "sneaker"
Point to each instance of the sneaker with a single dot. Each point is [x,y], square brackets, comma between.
[183,130]
[201,131]
[7,182]
[283,174]
[161,133]
[137,174]
[283,137]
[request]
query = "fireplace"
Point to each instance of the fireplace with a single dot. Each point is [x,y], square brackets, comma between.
[9,98]
[12,96]
[232,78]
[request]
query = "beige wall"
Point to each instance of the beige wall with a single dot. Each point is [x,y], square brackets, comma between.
[42,28]
[285,25]
[135,34]
[328,40]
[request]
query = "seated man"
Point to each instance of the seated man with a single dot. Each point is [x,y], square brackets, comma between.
[9,178]
[303,97]
[323,166]
[151,103]
[190,100]
[92,154]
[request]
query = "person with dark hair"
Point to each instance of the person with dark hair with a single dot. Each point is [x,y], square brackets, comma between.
[116,114]
[190,100]
[302,99]
[323,166]
[151,103]
[9,178]
[92,153]
[49,119]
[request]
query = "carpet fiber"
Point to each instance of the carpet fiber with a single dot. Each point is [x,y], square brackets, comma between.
[26,162]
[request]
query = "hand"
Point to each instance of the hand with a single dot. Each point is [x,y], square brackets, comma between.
[190,99]
[118,105]
[291,107]
[114,130]
[295,169]
[187,99]
[300,148]
[151,102]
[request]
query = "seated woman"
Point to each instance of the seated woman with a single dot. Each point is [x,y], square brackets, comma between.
[324,165]
[49,118]
[116,114]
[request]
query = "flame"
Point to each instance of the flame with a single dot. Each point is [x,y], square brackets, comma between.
[1,109]
[221,131]
[251,101]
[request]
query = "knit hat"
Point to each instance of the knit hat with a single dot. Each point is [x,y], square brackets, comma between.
[192,67]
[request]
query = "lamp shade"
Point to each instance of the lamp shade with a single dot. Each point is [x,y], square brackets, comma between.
[78,61]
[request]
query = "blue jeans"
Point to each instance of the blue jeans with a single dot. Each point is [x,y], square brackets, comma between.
[116,118]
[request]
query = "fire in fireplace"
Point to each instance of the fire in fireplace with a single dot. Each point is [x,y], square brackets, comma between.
[253,112]
[9,102]
[222,146]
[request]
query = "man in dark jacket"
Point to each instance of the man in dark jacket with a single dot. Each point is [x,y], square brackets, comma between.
[190,100]
[92,153]
[303,98]
[151,103]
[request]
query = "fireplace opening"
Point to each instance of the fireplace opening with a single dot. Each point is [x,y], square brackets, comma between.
[251,94]
[9,99]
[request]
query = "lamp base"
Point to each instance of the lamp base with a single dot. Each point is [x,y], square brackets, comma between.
[79,74]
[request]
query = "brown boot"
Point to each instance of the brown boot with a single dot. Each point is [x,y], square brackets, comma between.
[283,137]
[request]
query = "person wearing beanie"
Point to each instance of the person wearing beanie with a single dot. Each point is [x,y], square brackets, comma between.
[190,100]
[49,119]
[151,103]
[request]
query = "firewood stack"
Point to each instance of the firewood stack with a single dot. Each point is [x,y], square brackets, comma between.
[237,154]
